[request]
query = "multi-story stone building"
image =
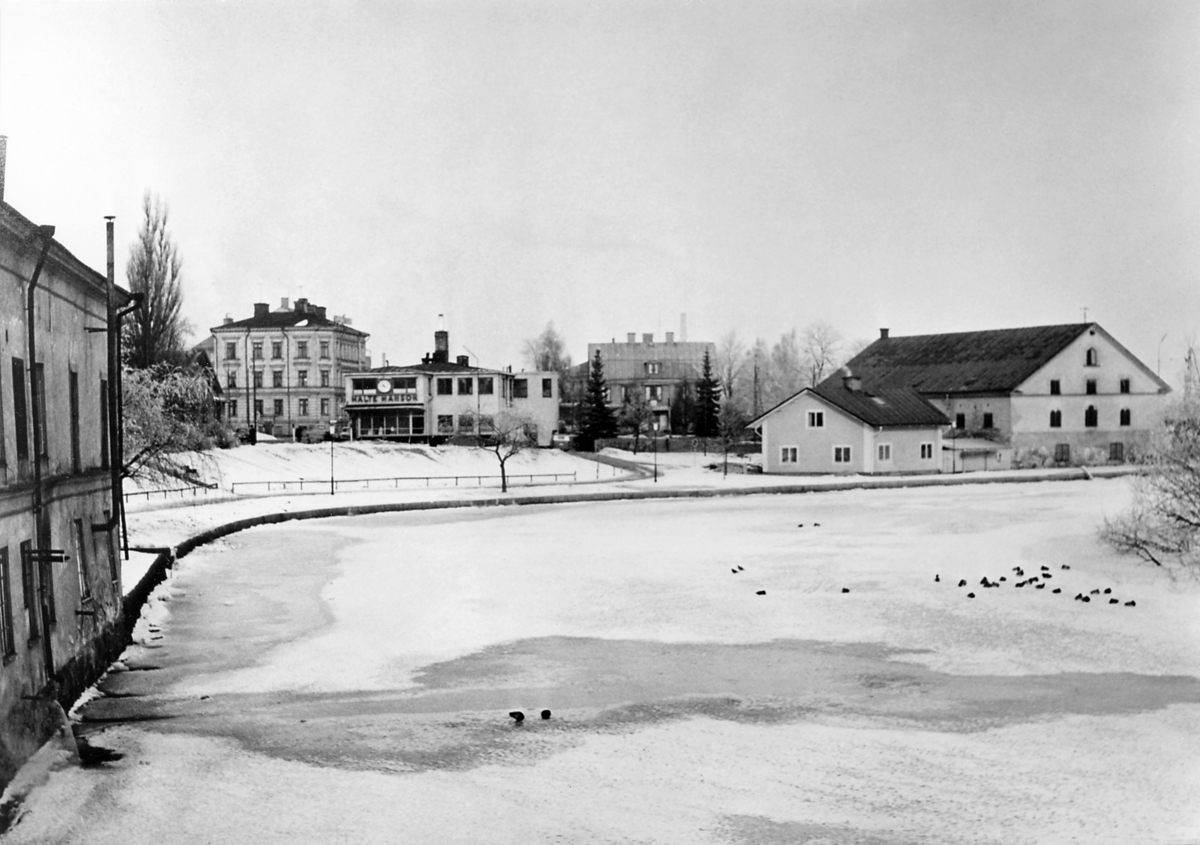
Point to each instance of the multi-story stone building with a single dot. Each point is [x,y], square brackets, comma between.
[434,400]
[60,578]
[283,371]
[662,372]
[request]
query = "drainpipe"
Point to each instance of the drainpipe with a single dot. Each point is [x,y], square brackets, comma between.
[36,414]
[138,297]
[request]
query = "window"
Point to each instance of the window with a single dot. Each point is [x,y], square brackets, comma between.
[466,424]
[960,421]
[324,378]
[485,386]
[20,410]
[988,420]
[231,350]
[520,388]
[927,451]
[256,350]
[302,349]
[73,399]
[445,424]
[277,378]
[654,392]
[103,423]
[232,409]
[1056,419]
[258,408]
[653,368]
[1124,385]
[1091,359]
[841,454]
[816,419]
[81,561]
[278,405]
[1055,387]
[1090,388]
[445,387]
[258,378]
[1091,417]
[8,642]
[466,386]
[787,455]
[324,349]
[486,424]
[1126,417]
[29,590]
[303,403]
[276,350]
[548,389]
[302,378]
[231,379]
[884,452]
[1062,453]
[1116,452]
[324,407]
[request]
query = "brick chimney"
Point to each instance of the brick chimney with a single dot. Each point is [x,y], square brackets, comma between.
[301,306]
[464,361]
[441,346]
[283,304]
[648,337]
[320,309]
[670,337]
[261,309]
[631,337]
[883,334]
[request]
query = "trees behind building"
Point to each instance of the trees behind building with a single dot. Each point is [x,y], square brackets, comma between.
[155,333]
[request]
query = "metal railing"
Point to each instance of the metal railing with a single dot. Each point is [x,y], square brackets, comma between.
[167,493]
[317,485]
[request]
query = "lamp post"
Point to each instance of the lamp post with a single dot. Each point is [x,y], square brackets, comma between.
[331,487]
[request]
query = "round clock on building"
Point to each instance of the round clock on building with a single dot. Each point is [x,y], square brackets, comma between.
[383,386]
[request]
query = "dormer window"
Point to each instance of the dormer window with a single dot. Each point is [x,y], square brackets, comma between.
[1091,359]
[653,368]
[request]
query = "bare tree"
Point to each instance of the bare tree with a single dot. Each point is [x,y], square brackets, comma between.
[154,333]
[635,413]
[787,369]
[507,434]
[731,361]
[820,344]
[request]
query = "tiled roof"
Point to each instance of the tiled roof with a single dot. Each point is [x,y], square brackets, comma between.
[888,407]
[962,362]
[287,319]
[432,367]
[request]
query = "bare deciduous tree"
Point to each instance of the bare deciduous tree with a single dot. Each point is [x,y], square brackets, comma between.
[154,333]
[635,413]
[507,434]
[730,361]
[820,344]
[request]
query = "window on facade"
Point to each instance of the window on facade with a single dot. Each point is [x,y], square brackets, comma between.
[302,349]
[231,351]
[1090,387]
[20,409]
[1124,385]
[232,409]
[81,561]
[277,378]
[841,454]
[816,419]
[256,350]
[103,428]
[1056,419]
[1055,387]
[548,388]
[466,424]
[324,407]
[303,404]
[1126,417]
[1091,417]
[276,350]
[960,421]
[788,455]
[231,380]
[258,408]
[653,368]
[654,392]
[8,641]
[988,420]
[486,386]
[926,451]
[73,399]
[884,451]
[1062,453]
[29,590]
[520,388]
[324,349]
[445,387]
[1090,358]
[1116,452]
[258,378]
[487,425]
[445,423]
[466,386]
[324,378]
[278,404]
[302,378]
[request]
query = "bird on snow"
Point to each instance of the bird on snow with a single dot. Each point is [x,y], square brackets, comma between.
[546,715]
[1087,598]
[816,525]
[1079,597]
[740,569]
[761,593]
[1131,604]
[1114,601]
[801,525]
[962,583]
[1058,589]
[937,579]
[1045,568]
[1107,590]
[970,595]
[1095,592]
[1064,566]
[1002,578]
[517,716]
[1040,587]
[734,571]
[1047,575]
[984,582]
[845,589]
[1019,584]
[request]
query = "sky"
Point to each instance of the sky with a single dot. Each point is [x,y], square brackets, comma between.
[610,166]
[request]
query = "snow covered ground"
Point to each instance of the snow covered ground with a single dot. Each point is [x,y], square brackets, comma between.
[348,680]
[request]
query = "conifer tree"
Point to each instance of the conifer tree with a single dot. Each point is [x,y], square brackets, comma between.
[707,402]
[598,419]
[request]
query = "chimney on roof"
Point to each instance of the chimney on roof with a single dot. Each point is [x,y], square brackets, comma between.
[301,306]
[261,309]
[850,381]
[670,337]
[441,346]
[227,320]
[3,158]
[283,304]
[320,309]
[883,334]
[648,338]
[464,361]
[631,337]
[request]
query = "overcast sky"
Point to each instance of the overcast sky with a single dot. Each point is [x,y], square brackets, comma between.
[929,166]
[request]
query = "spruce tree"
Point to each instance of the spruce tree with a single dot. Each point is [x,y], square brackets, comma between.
[707,402]
[598,419]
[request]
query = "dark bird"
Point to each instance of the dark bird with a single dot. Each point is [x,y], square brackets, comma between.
[1114,601]
[761,593]
[984,582]
[1079,597]
[1020,571]
[845,589]
[740,569]
[1047,575]
[517,716]
[1031,579]
[962,583]
[1040,587]
[1095,592]
[1131,604]
[1087,598]
[1019,584]
[546,715]
[970,595]
[1017,569]
[1107,590]
[734,571]
[816,525]
[1064,566]
[1002,578]
[1045,568]
[1058,589]
[801,525]
[937,578]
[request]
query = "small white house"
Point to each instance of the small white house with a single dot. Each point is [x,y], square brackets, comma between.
[842,428]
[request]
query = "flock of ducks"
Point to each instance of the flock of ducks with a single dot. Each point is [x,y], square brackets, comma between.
[1040,582]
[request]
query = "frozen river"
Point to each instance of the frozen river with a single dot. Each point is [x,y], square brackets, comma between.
[349,680]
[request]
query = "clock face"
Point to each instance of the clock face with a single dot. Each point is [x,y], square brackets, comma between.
[383,386]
